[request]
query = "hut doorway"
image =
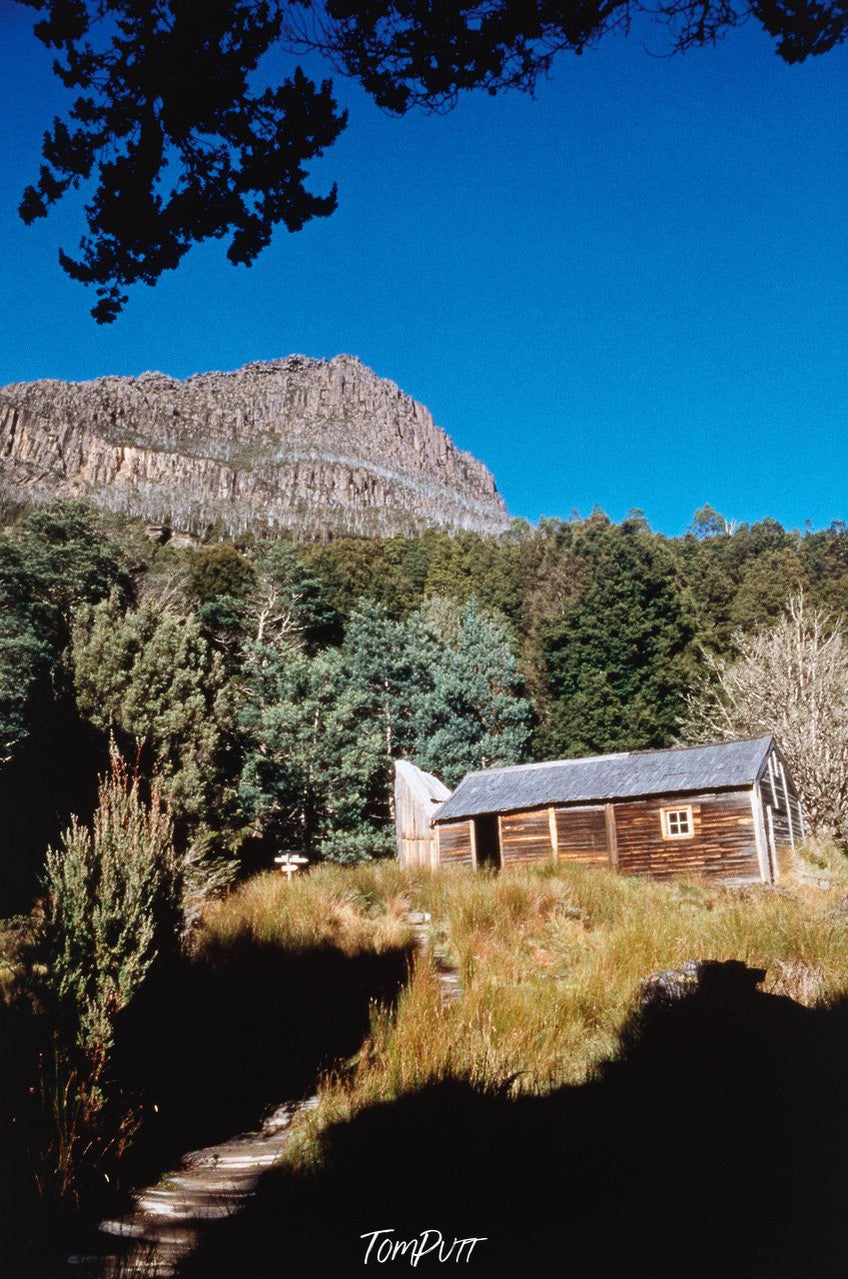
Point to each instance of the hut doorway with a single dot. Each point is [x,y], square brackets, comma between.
[487,840]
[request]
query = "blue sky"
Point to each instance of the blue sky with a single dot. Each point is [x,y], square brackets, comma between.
[630,291]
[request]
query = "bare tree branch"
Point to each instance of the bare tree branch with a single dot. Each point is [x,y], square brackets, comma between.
[792,681]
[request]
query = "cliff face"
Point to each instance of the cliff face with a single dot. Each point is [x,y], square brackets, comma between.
[304,446]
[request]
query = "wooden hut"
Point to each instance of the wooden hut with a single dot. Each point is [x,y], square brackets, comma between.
[722,810]
[417,795]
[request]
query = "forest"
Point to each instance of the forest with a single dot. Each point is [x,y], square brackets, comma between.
[267,686]
[174,714]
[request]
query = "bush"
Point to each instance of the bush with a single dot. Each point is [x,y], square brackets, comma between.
[113,905]
[348,848]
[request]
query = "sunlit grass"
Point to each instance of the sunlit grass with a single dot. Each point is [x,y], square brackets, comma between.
[346,909]
[550,962]
[17,936]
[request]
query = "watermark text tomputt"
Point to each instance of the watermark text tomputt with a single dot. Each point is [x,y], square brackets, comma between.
[430,1243]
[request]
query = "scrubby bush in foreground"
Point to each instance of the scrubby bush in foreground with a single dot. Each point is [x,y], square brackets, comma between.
[113,908]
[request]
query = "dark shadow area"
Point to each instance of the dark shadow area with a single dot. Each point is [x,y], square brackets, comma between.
[54,774]
[21,1225]
[212,1043]
[717,1144]
[206,1048]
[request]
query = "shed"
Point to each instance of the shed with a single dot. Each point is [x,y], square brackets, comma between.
[722,810]
[417,795]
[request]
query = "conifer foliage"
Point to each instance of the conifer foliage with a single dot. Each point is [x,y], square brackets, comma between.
[471,713]
[617,657]
[269,686]
[440,687]
[150,675]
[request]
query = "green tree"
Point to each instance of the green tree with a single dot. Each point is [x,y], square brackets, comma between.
[440,687]
[30,643]
[825,558]
[65,543]
[111,910]
[740,577]
[151,676]
[771,579]
[707,523]
[321,732]
[471,713]
[219,570]
[219,581]
[618,659]
[713,591]
[289,600]
[483,567]
[390,662]
[58,559]
[352,568]
[311,755]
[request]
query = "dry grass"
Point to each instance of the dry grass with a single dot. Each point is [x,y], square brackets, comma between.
[355,911]
[17,937]
[550,962]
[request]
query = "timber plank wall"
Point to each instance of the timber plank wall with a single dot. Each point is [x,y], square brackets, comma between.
[456,844]
[416,840]
[724,843]
[525,837]
[582,835]
[627,835]
[416,794]
[782,812]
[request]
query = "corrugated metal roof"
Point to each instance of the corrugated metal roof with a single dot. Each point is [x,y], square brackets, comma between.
[607,777]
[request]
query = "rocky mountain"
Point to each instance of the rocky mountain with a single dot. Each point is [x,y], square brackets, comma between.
[311,447]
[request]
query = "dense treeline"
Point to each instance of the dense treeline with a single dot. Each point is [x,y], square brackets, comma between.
[268,686]
[174,714]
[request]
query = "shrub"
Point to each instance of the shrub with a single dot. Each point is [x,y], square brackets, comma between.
[113,904]
[348,848]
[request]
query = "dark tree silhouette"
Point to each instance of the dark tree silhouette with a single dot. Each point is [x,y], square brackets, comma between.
[182,149]
[406,52]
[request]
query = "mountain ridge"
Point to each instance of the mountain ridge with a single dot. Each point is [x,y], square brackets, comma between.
[295,445]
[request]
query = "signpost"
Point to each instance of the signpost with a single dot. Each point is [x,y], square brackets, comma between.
[290,862]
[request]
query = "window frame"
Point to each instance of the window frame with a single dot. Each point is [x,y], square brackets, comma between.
[665,815]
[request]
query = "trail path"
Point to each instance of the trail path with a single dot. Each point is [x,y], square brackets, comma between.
[166,1222]
[449,984]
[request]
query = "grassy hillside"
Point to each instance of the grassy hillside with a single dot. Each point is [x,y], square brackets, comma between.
[550,961]
[432,1109]
[451,1113]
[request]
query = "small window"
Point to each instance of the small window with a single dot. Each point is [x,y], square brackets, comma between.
[677,823]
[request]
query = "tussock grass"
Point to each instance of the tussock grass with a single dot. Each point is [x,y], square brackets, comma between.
[17,939]
[819,859]
[355,911]
[550,962]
